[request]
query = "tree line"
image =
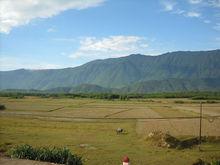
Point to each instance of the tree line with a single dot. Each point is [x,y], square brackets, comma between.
[111,96]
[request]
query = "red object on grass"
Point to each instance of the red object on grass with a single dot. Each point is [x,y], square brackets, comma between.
[126,159]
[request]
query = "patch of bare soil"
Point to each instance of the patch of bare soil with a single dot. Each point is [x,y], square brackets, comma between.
[168,141]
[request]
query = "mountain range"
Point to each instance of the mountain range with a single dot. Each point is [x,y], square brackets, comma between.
[136,73]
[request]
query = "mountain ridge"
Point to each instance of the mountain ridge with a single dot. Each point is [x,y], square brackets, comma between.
[119,72]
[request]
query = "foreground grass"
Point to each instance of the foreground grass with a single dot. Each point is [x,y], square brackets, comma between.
[97,142]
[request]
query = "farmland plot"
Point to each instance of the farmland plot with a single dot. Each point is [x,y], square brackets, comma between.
[87,127]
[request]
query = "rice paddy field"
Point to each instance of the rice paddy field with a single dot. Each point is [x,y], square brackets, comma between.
[87,127]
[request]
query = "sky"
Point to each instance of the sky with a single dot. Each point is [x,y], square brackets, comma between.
[45,34]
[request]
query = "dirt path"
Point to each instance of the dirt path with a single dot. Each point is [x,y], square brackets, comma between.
[9,161]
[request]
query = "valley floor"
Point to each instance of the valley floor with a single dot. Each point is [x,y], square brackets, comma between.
[87,127]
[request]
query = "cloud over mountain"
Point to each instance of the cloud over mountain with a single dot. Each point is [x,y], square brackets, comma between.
[112,46]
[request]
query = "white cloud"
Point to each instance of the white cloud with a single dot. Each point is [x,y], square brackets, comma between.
[178,11]
[192,14]
[217,27]
[113,46]
[12,63]
[14,13]
[194,9]
[195,1]
[211,3]
[168,5]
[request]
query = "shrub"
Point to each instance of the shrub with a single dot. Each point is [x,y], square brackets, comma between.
[202,162]
[24,152]
[123,97]
[199,162]
[17,96]
[168,141]
[54,155]
[73,160]
[211,101]
[178,101]
[215,162]
[2,107]
[188,143]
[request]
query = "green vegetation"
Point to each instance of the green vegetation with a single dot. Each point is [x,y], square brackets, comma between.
[151,86]
[103,146]
[215,162]
[202,162]
[54,155]
[176,71]
[2,107]
[178,101]
[14,94]
[209,96]
[173,85]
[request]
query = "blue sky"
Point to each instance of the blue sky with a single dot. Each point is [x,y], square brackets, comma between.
[43,34]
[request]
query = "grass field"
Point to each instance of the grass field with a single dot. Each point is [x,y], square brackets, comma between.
[87,127]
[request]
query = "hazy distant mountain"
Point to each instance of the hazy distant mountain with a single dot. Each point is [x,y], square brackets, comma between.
[140,70]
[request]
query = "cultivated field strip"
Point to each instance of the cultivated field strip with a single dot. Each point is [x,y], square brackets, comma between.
[179,127]
[20,114]
[97,109]
[207,110]
[159,114]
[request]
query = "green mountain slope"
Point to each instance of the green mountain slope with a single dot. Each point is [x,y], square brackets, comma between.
[151,86]
[173,85]
[119,72]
